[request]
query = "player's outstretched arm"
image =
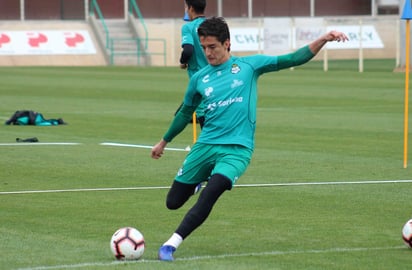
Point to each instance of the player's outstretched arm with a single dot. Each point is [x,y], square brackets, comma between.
[317,45]
[307,52]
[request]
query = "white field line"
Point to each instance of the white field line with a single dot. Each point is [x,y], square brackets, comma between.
[209,257]
[328,183]
[186,149]
[38,143]
[143,146]
[238,186]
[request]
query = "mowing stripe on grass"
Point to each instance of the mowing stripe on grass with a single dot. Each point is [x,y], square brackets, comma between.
[39,143]
[143,146]
[210,257]
[78,190]
[239,186]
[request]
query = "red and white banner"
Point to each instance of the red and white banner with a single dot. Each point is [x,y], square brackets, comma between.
[47,42]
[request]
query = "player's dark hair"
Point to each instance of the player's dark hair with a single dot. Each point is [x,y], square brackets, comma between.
[216,27]
[198,5]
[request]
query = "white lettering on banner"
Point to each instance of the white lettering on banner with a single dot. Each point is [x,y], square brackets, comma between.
[246,39]
[278,35]
[308,34]
[307,30]
[305,35]
[46,42]
[369,38]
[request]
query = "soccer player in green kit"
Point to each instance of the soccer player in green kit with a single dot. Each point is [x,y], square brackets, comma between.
[228,87]
[192,57]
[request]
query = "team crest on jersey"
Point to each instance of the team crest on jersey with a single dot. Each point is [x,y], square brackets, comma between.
[235,69]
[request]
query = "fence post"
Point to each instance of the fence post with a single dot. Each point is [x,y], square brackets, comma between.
[360,46]
[22,11]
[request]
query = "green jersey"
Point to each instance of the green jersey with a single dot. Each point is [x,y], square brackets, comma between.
[229,93]
[189,36]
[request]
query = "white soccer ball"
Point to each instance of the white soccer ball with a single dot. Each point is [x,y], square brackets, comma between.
[407,233]
[127,244]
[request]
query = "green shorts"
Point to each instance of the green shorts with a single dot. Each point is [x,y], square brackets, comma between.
[205,160]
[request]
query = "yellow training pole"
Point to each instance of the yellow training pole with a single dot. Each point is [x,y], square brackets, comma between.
[194,127]
[405,132]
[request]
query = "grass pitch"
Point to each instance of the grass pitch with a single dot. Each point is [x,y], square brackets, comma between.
[340,128]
